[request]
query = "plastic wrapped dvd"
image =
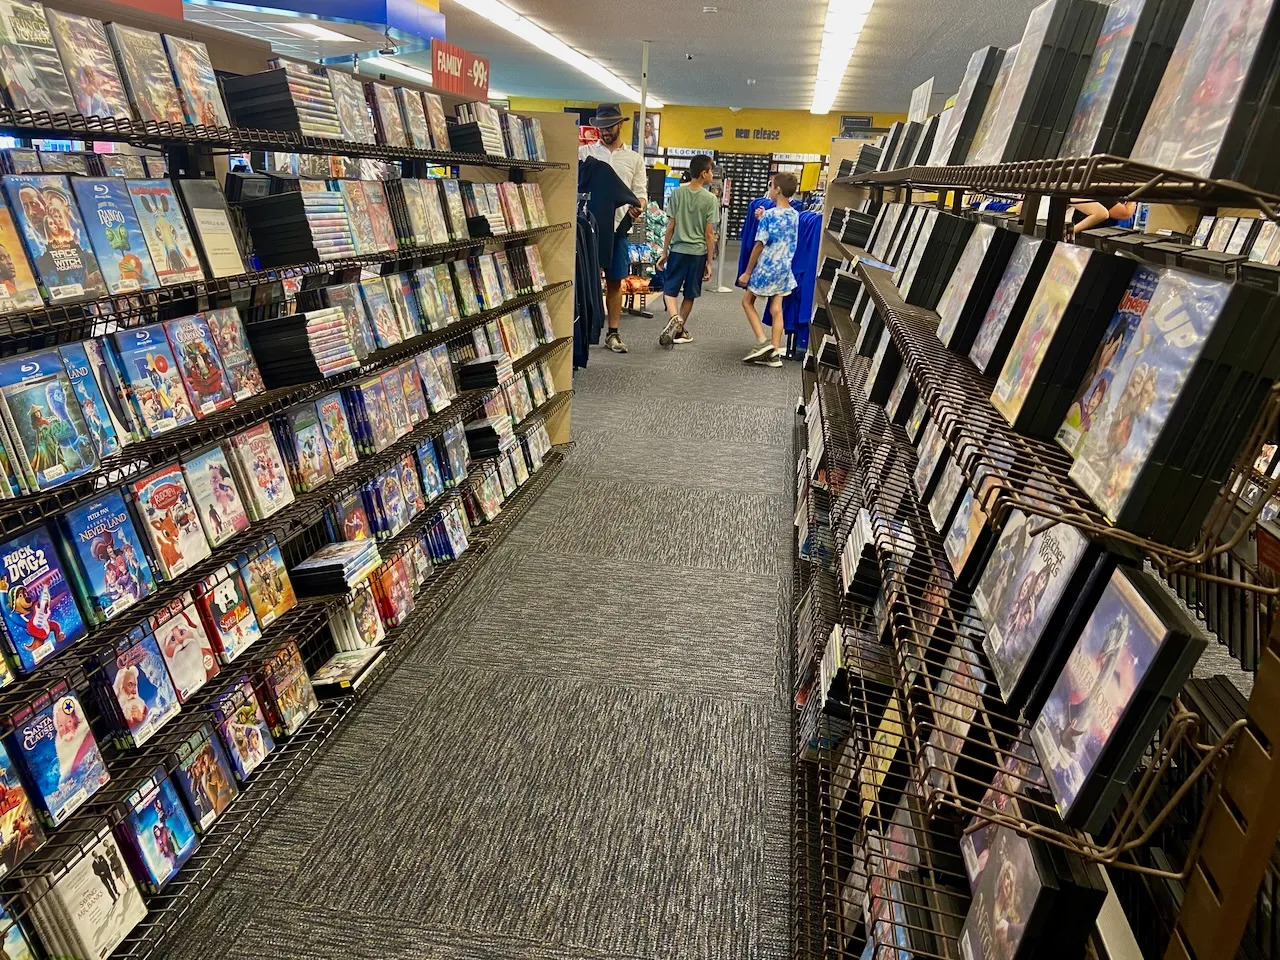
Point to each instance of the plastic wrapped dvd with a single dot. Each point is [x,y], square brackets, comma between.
[147,75]
[51,740]
[29,65]
[55,237]
[217,499]
[197,84]
[243,728]
[167,515]
[39,608]
[173,252]
[186,647]
[111,572]
[90,65]
[227,612]
[156,830]
[267,581]
[115,234]
[204,775]
[285,691]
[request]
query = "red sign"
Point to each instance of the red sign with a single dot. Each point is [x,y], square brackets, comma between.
[459,71]
[588,135]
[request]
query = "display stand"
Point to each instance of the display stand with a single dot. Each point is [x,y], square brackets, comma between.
[863,720]
[301,527]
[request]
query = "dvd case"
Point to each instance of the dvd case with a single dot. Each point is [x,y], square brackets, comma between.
[29,65]
[90,65]
[55,236]
[115,234]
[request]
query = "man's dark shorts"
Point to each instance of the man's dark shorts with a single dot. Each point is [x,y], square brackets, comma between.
[620,266]
[684,270]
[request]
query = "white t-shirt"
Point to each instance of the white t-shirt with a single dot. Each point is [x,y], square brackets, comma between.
[627,164]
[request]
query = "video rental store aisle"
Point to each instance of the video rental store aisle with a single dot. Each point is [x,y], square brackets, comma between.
[257,428]
[1036,473]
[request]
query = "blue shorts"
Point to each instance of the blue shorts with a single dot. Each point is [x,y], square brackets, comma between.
[620,265]
[684,270]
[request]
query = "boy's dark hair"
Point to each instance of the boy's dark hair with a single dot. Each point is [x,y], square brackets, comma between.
[786,184]
[698,164]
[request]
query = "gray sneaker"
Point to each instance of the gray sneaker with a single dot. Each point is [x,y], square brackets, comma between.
[614,342]
[759,352]
[667,337]
[771,359]
[682,336]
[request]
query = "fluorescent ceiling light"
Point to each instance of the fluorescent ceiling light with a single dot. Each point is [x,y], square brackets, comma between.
[316,32]
[845,20]
[408,71]
[503,16]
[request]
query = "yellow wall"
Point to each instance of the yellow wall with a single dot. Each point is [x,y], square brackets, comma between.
[798,130]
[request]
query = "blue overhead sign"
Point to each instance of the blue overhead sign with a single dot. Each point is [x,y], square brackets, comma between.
[411,23]
[712,133]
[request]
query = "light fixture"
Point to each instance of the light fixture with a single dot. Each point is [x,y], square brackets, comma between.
[404,70]
[503,16]
[845,20]
[751,81]
[316,32]
[710,9]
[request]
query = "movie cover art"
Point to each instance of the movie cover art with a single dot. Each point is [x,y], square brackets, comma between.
[90,65]
[932,447]
[389,119]
[13,939]
[962,279]
[384,231]
[379,410]
[993,147]
[364,611]
[1146,382]
[1015,274]
[1003,900]
[18,287]
[204,775]
[106,372]
[1106,669]
[52,443]
[270,589]
[29,65]
[336,431]
[309,451]
[223,601]
[60,755]
[108,554]
[197,83]
[1109,55]
[40,613]
[146,74]
[20,829]
[983,135]
[290,690]
[173,252]
[153,379]
[217,498]
[1018,771]
[244,729]
[94,407]
[268,480]
[415,117]
[139,683]
[168,516]
[101,896]
[1021,585]
[353,109]
[965,529]
[208,386]
[55,236]
[160,830]
[233,349]
[1097,381]
[437,224]
[385,326]
[186,648]
[393,389]
[1202,85]
[1045,312]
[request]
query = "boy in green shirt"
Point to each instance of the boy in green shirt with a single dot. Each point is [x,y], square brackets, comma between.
[688,247]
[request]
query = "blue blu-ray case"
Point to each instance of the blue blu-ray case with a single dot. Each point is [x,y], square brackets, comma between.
[109,562]
[115,234]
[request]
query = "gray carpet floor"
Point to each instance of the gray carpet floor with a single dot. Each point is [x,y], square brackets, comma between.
[588,757]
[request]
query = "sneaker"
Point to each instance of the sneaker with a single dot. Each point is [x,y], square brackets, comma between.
[668,335]
[773,358]
[614,342]
[682,336]
[760,352]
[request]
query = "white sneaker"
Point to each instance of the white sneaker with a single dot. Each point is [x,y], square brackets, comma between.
[773,358]
[760,351]
[682,336]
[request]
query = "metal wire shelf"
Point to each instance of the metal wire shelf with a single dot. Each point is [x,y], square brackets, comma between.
[21,512]
[50,325]
[42,124]
[961,733]
[1101,176]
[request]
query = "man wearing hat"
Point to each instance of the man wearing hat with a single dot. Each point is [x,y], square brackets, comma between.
[629,166]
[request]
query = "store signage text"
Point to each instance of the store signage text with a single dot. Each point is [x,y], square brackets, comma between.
[759,133]
[459,71]
[712,133]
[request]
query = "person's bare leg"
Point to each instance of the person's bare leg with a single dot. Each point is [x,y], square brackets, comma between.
[613,310]
[753,318]
[775,312]
[686,308]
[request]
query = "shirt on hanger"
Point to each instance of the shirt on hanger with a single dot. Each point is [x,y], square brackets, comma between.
[627,164]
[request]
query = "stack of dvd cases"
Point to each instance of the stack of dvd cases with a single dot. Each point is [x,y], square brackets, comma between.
[347,670]
[336,568]
[309,224]
[293,97]
[479,130]
[1048,71]
[951,146]
[305,347]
